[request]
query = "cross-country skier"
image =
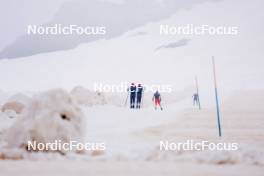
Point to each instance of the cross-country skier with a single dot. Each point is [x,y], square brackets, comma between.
[132,90]
[140,90]
[157,99]
[195,99]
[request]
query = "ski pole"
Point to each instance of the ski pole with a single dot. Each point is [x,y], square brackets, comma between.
[126,99]
[197,91]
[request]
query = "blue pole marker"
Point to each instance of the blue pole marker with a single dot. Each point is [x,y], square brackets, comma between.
[217,100]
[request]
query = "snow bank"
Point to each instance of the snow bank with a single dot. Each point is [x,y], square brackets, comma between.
[86,97]
[52,115]
[14,106]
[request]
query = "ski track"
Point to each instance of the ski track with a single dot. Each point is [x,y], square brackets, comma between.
[118,130]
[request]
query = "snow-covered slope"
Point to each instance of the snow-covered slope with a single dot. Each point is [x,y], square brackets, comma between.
[134,56]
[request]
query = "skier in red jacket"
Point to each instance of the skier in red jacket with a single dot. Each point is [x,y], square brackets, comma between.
[157,99]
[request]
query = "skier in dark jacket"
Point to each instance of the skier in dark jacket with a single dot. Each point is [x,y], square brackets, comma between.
[132,90]
[195,99]
[157,99]
[140,90]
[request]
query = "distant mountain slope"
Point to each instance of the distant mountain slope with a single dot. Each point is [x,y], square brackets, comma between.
[132,57]
[118,19]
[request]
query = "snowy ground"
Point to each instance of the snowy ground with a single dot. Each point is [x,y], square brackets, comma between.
[68,168]
[132,136]
[117,127]
[132,139]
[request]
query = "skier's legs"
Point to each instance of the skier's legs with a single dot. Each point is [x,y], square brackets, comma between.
[159,104]
[195,101]
[132,101]
[156,103]
[138,101]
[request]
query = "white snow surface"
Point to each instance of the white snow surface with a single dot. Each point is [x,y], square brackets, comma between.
[132,58]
